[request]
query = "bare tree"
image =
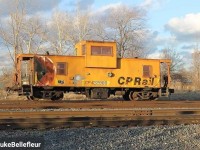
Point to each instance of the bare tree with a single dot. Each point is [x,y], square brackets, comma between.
[66,29]
[6,77]
[33,33]
[21,33]
[176,58]
[125,25]
[81,27]
[196,68]
[11,28]
[99,31]
[27,34]
[57,36]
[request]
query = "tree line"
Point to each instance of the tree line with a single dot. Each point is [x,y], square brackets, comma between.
[57,33]
[21,32]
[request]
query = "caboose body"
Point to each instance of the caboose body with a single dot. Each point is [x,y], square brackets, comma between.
[95,71]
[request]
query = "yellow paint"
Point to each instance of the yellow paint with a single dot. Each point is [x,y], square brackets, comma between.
[36,79]
[93,71]
[97,60]
[125,68]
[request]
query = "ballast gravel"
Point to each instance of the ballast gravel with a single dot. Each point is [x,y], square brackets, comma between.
[181,137]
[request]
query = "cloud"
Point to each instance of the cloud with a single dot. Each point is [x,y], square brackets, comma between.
[157,41]
[188,47]
[155,55]
[103,11]
[147,3]
[32,6]
[155,4]
[185,28]
[82,4]
[106,9]
[85,4]
[187,56]
[110,6]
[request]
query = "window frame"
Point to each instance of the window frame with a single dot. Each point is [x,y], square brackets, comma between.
[64,68]
[83,49]
[101,51]
[147,73]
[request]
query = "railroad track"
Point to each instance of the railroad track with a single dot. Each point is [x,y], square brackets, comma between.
[25,104]
[40,115]
[96,117]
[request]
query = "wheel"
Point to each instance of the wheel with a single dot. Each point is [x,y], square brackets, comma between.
[32,98]
[28,98]
[126,96]
[36,95]
[133,96]
[57,96]
[153,98]
[99,93]
[88,93]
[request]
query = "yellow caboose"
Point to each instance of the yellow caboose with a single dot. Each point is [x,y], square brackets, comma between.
[95,71]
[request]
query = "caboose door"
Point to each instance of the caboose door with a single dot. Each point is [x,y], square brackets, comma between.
[26,67]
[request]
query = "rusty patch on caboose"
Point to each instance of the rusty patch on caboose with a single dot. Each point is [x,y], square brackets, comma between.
[45,70]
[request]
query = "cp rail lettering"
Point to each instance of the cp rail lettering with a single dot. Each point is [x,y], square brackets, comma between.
[136,81]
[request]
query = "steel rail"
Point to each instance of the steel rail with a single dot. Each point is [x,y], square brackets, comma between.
[22,104]
[96,117]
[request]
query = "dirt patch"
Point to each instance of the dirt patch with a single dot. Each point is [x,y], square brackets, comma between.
[74,96]
[10,96]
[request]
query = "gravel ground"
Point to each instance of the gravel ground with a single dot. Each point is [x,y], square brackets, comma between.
[182,137]
[185,95]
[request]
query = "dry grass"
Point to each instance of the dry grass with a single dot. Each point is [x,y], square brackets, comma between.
[2,94]
[10,96]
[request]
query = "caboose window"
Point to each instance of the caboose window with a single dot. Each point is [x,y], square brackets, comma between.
[101,50]
[83,49]
[147,71]
[61,68]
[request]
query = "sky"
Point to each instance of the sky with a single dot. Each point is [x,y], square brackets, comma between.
[172,23]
